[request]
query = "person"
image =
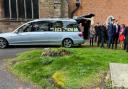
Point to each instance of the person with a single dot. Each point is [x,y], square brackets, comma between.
[121,39]
[106,34]
[102,35]
[126,39]
[97,32]
[34,27]
[81,27]
[92,34]
[86,25]
[116,34]
[122,28]
[110,33]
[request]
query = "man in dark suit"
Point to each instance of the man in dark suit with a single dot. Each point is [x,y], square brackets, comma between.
[126,39]
[96,30]
[110,33]
[116,29]
[102,35]
[97,38]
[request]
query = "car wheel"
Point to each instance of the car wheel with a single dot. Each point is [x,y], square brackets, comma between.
[3,43]
[67,43]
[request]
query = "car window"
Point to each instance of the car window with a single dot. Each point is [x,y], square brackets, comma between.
[24,28]
[44,26]
[70,26]
[39,26]
[57,26]
[64,26]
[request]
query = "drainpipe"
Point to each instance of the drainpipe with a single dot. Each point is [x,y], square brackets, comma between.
[77,7]
[62,8]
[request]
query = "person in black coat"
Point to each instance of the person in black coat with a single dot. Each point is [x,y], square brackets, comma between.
[110,33]
[102,35]
[97,36]
[126,38]
[116,34]
[97,31]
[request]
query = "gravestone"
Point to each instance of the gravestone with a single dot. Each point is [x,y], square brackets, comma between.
[119,75]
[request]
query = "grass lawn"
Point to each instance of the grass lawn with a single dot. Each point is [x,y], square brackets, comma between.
[84,67]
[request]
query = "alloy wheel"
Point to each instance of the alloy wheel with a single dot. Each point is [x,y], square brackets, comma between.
[3,43]
[67,43]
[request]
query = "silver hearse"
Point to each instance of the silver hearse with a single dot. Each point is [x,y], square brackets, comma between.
[63,32]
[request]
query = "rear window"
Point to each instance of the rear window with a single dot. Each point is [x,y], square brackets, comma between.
[64,26]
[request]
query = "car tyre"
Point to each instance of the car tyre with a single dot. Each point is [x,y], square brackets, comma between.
[67,43]
[3,43]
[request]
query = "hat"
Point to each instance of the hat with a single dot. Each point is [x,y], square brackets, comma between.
[112,18]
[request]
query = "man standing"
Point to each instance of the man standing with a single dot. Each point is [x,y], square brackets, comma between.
[115,33]
[102,35]
[126,39]
[110,33]
[97,35]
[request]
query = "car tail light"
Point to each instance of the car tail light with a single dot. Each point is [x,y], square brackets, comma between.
[81,35]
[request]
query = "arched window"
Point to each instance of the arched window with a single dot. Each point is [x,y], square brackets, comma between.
[25,9]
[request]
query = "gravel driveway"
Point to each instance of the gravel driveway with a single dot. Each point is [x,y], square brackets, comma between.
[7,80]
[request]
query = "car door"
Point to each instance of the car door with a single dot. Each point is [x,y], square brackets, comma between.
[22,36]
[40,34]
[55,34]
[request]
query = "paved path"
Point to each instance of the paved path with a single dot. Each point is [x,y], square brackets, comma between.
[119,75]
[7,80]
[11,52]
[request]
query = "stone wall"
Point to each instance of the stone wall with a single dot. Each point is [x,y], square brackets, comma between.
[8,26]
[53,8]
[1,8]
[47,9]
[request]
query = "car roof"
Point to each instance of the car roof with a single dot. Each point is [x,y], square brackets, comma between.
[53,19]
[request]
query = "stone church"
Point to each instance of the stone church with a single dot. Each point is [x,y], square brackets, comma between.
[15,12]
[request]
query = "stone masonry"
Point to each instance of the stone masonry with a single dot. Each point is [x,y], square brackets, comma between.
[8,26]
[53,8]
[47,9]
[1,8]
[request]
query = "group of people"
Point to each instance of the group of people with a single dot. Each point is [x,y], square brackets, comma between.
[111,34]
